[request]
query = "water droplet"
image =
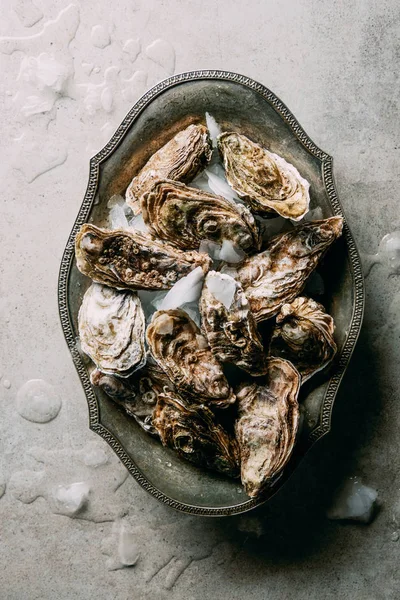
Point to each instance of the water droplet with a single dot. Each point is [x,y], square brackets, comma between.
[121,547]
[100,96]
[38,401]
[70,486]
[27,12]
[87,67]
[162,53]
[168,464]
[96,70]
[34,158]
[388,255]
[134,87]
[132,47]
[100,36]
[395,536]
[7,383]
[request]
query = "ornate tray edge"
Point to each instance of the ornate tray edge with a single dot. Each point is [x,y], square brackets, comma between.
[68,256]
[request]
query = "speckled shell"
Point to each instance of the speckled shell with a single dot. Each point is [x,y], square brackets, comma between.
[181,159]
[194,433]
[184,216]
[111,330]
[278,274]
[303,334]
[267,423]
[266,181]
[137,394]
[232,332]
[131,260]
[180,349]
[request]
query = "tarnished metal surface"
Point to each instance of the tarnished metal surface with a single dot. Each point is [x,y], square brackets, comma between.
[238,104]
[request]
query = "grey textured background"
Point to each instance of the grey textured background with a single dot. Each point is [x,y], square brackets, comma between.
[336,67]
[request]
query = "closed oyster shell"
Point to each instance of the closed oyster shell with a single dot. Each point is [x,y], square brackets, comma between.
[278,274]
[111,329]
[267,423]
[229,325]
[266,181]
[180,349]
[137,394]
[193,432]
[303,334]
[181,159]
[131,260]
[184,216]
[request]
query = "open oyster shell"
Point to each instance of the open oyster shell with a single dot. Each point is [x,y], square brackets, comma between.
[229,325]
[268,183]
[278,274]
[111,329]
[303,334]
[184,216]
[266,427]
[131,260]
[193,432]
[137,394]
[180,349]
[181,159]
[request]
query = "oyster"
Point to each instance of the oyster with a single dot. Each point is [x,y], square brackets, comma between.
[180,349]
[268,183]
[278,274]
[193,432]
[111,329]
[184,216]
[304,335]
[266,427]
[131,260]
[137,394]
[229,324]
[181,159]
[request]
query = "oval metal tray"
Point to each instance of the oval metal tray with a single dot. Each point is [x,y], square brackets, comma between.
[241,104]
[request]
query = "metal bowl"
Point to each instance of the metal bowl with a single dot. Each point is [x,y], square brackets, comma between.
[240,104]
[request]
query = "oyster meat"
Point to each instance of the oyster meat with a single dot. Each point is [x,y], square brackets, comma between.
[111,329]
[184,216]
[264,180]
[304,335]
[131,260]
[279,273]
[193,432]
[266,427]
[181,159]
[137,394]
[229,325]
[179,348]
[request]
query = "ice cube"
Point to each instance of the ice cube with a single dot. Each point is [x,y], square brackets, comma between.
[353,501]
[70,499]
[186,290]
[231,253]
[223,287]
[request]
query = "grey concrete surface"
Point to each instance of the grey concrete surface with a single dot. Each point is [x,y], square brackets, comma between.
[335,65]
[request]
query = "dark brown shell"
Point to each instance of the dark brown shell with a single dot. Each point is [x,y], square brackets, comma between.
[184,216]
[181,159]
[127,259]
[278,274]
[180,349]
[303,334]
[232,331]
[266,181]
[194,433]
[137,394]
[267,423]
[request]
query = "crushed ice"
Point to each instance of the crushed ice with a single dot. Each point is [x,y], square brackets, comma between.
[70,499]
[223,287]
[185,291]
[353,501]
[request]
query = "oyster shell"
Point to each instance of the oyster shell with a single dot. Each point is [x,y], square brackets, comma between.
[304,335]
[180,349]
[229,324]
[184,216]
[137,394]
[181,159]
[131,260]
[266,427]
[278,274]
[268,183]
[111,329]
[193,432]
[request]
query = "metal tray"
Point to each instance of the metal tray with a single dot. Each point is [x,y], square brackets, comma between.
[241,104]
